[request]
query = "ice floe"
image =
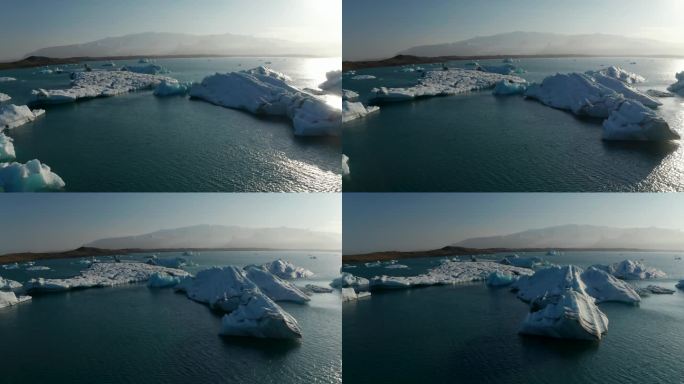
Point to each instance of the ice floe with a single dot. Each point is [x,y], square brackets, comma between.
[102,275]
[659,93]
[286,270]
[87,85]
[267,92]
[30,177]
[258,316]
[349,95]
[347,280]
[4,97]
[162,280]
[333,82]
[349,294]
[6,148]
[174,262]
[654,289]
[632,121]
[38,268]
[12,116]
[678,87]
[506,69]
[632,270]
[352,110]
[8,299]
[317,289]
[274,287]
[172,88]
[524,262]
[151,69]
[442,83]
[4,79]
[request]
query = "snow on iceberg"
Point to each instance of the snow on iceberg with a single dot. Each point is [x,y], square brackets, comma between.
[347,280]
[12,116]
[103,275]
[151,69]
[352,110]
[264,91]
[258,316]
[163,280]
[506,87]
[87,85]
[349,95]
[633,121]
[345,165]
[678,87]
[442,83]
[30,177]
[4,98]
[6,148]
[632,270]
[333,82]
[172,88]
[274,287]
[8,299]
[619,74]
[286,270]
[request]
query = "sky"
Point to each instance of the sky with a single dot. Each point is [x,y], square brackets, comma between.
[28,25]
[381,28]
[52,222]
[409,222]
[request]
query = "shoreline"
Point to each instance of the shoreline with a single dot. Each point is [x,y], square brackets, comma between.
[39,61]
[462,251]
[400,60]
[20,257]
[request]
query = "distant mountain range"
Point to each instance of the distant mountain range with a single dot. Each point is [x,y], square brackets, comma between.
[583,236]
[218,236]
[536,43]
[168,44]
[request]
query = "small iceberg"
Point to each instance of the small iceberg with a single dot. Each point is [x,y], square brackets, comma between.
[317,289]
[333,82]
[678,87]
[30,177]
[286,270]
[12,116]
[352,110]
[5,79]
[163,280]
[38,268]
[347,280]
[6,148]
[345,166]
[523,262]
[10,285]
[620,74]
[633,121]
[500,279]
[4,98]
[658,93]
[176,262]
[396,266]
[110,64]
[507,87]
[349,95]
[151,69]
[10,266]
[632,270]
[172,88]
[8,299]
[655,289]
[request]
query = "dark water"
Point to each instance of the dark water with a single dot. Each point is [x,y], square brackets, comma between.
[139,142]
[469,334]
[132,334]
[479,142]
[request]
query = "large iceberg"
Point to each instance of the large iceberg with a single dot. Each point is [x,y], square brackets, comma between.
[12,116]
[627,91]
[678,87]
[632,270]
[443,83]
[172,88]
[633,121]
[258,316]
[274,287]
[86,85]
[103,275]
[267,92]
[8,299]
[286,270]
[352,110]
[6,148]
[30,177]
[333,82]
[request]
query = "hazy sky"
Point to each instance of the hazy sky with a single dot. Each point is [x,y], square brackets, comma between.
[27,25]
[405,221]
[41,222]
[381,28]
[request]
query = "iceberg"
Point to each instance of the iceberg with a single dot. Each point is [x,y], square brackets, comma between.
[4,97]
[678,87]
[333,82]
[10,266]
[274,287]
[317,289]
[286,270]
[6,148]
[632,270]
[523,262]
[103,275]
[258,316]
[605,287]
[655,289]
[5,79]
[633,121]
[8,299]
[38,268]
[396,266]
[659,93]
[10,285]
[30,177]
[151,69]
[505,87]
[347,280]
[500,279]
[163,280]
[352,110]
[345,165]
[349,95]
[172,88]
[363,77]
[627,91]
[88,85]
[442,83]
[619,74]
[12,116]
[219,287]
[263,91]
[506,69]
[349,294]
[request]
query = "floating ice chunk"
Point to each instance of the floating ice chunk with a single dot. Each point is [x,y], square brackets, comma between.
[655,289]
[258,316]
[30,177]
[363,77]
[162,280]
[38,268]
[5,79]
[347,280]
[144,61]
[12,116]
[524,262]
[8,299]
[352,110]
[627,91]
[632,270]
[506,69]
[500,279]
[274,287]
[45,71]
[103,275]
[349,294]
[286,270]
[619,74]
[4,97]
[345,165]
[333,84]
[396,266]
[317,289]
[373,264]
[220,287]
[174,262]
[10,285]
[349,95]
[442,83]
[110,64]
[86,85]
[263,91]
[507,60]
[6,148]
[658,93]
[11,266]
[505,87]
[605,287]
[151,69]
[633,121]
[172,88]
[678,87]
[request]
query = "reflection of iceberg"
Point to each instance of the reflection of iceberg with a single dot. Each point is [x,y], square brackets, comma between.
[30,177]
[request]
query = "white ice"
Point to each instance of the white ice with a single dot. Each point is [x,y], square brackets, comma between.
[349,95]
[163,280]
[333,82]
[151,69]
[632,270]
[258,316]
[6,148]
[4,97]
[524,262]
[263,91]
[286,270]
[219,287]
[633,121]
[6,79]
[347,280]
[363,77]
[500,279]
[30,177]
[352,110]
[678,87]
[12,116]
[38,268]
[10,285]
[620,74]
[274,287]
[8,299]
[173,262]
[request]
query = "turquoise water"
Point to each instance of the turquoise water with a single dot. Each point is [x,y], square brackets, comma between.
[139,142]
[468,334]
[132,334]
[479,142]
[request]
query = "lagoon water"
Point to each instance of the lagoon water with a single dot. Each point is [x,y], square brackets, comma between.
[479,142]
[133,334]
[139,142]
[468,333]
